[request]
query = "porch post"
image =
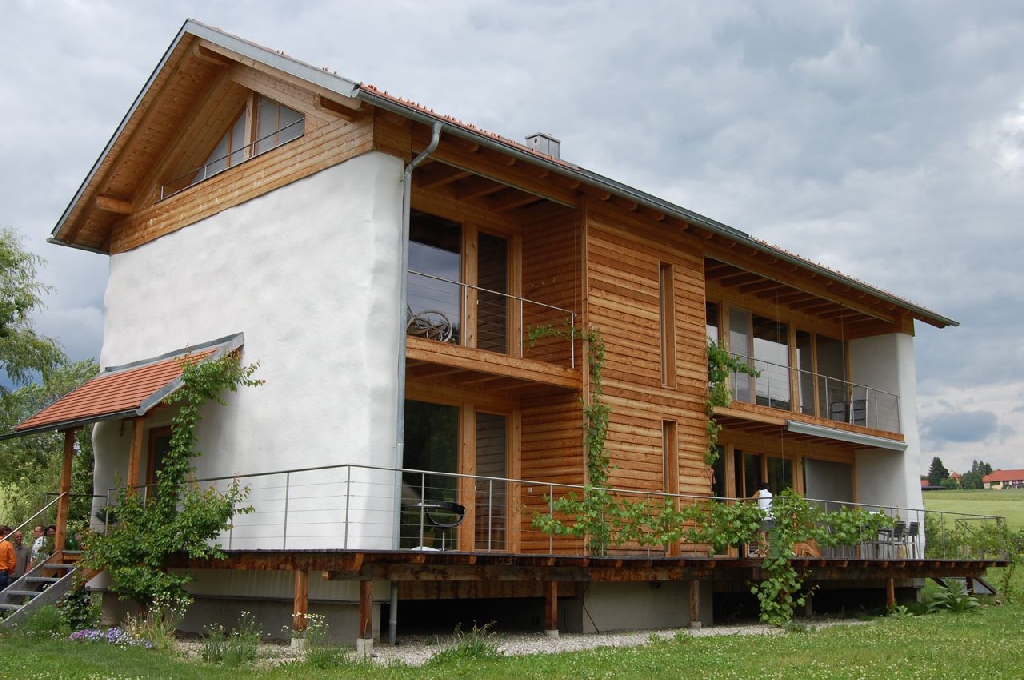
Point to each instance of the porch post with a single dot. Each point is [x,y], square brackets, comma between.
[301,600]
[364,644]
[551,608]
[695,621]
[890,593]
[64,502]
[135,454]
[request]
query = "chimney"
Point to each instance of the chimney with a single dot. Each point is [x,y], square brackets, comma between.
[544,143]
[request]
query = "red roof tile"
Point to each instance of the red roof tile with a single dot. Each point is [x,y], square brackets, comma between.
[111,394]
[1004,476]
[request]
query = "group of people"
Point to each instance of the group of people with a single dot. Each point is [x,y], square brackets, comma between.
[17,557]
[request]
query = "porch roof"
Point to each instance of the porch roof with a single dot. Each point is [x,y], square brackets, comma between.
[845,436]
[130,390]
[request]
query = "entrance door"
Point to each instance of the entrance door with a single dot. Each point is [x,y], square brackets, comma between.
[158,446]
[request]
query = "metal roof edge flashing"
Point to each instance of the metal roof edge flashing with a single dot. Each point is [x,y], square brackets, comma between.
[228,344]
[844,436]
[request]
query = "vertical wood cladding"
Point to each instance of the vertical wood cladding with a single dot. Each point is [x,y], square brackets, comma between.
[552,440]
[625,258]
[316,150]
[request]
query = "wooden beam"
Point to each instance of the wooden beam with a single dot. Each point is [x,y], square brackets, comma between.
[475,187]
[135,453]
[209,56]
[695,603]
[890,593]
[551,605]
[113,205]
[437,174]
[301,606]
[64,502]
[338,108]
[366,610]
[512,198]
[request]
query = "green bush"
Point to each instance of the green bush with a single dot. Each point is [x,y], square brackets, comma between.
[954,598]
[45,622]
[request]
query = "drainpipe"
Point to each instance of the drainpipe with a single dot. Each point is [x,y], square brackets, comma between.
[403,303]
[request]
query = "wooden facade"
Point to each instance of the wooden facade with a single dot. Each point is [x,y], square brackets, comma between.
[562,250]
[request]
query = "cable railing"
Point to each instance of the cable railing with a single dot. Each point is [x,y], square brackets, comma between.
[451,311]
[837,400]
[232,158]
[359,507]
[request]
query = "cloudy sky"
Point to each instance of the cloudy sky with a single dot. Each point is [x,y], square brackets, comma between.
[882,139]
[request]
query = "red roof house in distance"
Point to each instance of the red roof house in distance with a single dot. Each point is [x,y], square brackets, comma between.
[1004,479]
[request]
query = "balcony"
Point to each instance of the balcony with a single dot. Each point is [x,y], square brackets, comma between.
[476,332]
[352,507]
[818,395]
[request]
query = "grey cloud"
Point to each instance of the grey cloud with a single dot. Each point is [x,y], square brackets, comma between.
[960,426]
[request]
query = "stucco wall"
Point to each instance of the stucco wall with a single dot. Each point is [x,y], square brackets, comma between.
[888,477]
[309,273]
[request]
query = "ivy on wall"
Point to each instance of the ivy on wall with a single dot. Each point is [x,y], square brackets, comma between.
[178,516]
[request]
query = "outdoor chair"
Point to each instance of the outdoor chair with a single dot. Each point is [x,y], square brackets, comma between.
[910,538]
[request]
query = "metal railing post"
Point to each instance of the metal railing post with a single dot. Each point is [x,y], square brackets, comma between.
[490,511]
[284,526]
[423,503]
[348,502]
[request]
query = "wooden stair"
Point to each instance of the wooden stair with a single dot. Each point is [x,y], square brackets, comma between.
[44,584]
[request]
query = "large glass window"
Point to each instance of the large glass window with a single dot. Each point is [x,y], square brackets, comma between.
[739,345]
[771,352]
[431,445]
[711,311]
[492,305]
[805,362]
[831,377]
[435,263]
[491,495]
[780,474]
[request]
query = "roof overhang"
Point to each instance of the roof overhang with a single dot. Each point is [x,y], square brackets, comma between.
[321,78]
[867,440]
[127,391]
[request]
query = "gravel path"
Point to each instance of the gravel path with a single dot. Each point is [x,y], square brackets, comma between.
[417,650]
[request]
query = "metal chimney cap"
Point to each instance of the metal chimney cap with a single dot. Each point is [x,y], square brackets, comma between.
[544,143]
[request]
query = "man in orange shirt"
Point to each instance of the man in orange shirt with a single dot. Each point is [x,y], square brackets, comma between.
[8,558]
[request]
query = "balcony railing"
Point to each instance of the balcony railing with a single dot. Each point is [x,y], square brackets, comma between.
[451,311]
[247,152]
[352,507]
[838,400]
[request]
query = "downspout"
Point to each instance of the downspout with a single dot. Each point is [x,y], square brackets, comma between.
[403,303]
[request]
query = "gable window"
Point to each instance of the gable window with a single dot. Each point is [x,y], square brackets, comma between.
[262,124]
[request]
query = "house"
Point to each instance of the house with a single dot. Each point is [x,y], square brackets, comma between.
[390,268]
[1004,479]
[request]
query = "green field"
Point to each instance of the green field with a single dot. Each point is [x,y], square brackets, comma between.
[1008,503]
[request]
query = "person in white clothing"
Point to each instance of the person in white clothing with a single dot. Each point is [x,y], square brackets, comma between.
[764,500]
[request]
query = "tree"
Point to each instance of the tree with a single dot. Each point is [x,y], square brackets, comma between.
[975,478]
[40,373]
[937,472]
[23,353]
[32,463]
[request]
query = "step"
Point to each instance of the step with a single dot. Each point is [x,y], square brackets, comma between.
[21,593]
[12,607]
[57,565]
[41,579]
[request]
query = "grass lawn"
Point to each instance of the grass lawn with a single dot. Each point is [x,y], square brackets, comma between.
[989,644]
[1006,502]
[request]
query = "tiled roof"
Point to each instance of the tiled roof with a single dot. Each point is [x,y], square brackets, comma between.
[1004,476]
[124,391]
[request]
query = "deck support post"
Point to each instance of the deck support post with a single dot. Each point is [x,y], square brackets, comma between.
[364,643]
[64,501]
[695,604]
[301,608]
[551,608]
[890,593]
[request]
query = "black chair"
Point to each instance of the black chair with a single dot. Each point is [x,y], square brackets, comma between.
[910,538]
[444,514]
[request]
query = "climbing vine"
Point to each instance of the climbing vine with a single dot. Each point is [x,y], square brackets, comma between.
[178,516]
[721,365]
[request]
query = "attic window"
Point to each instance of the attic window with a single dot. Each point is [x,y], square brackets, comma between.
[262,125]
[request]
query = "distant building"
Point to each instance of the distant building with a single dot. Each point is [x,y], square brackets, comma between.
[1004,479]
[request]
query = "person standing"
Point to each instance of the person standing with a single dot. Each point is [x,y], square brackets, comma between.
[8,558]
[22,553]
[764,500]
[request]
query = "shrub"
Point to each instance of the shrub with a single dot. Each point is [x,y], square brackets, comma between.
[954,598]
[45,622]
[478,643]
[78,610]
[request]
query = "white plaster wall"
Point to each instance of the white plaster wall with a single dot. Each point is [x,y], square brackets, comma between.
[888,477]
[310,274]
